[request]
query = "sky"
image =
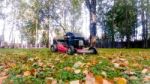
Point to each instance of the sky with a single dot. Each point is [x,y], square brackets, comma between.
[8,26]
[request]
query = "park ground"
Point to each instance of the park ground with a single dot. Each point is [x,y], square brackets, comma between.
[40,66]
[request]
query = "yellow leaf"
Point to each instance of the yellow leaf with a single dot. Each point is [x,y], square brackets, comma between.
[68,69]
[77,71]
[121,81]
[85,72]
[101,80]
[12,64]
[88,64]
[116,65]
[77,64]
[93,61]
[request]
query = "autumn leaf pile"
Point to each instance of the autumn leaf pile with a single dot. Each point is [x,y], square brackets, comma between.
[40,66]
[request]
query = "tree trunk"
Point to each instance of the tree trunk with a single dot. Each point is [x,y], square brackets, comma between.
[113,25]
[3,32]
[12,29]
[4,19]
[113,40]
[64,16]
[49,39]
[91,4]
[146,21]
[22,46]
[122,44]
[36,38]
[144,36]
[126,25]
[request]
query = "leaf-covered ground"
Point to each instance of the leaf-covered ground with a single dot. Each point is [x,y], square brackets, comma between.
[40,66]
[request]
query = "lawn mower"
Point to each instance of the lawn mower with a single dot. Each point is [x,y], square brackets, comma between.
[72,43]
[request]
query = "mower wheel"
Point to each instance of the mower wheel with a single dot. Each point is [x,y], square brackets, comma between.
[54,48]
[70,50]
[94,51]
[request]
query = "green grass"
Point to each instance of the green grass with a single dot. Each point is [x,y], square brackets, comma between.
[47,64]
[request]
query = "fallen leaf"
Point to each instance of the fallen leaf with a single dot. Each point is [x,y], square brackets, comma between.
[90,78]
[106,82]
[3,73]
[33,72]
[130,73]
[104,73]
[136,65]
[121,80]
[125,64]
[94,61]
[68,69]
[116,65]
[85,72]
[50,65]
[133,77]
[2,78]
[101,80]
[146,79]
[120,62]
[27,73]
[87,65]
[78,64]
[41,64]
[12,64]
[144,71]
[77,71]
[54,82]
[31,59]
[49,80]
[111,81]
[75,82]
[98,80]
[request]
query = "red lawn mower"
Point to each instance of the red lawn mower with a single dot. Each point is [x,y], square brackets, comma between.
[72,43]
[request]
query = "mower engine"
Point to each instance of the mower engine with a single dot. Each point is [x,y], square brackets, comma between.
[75,40]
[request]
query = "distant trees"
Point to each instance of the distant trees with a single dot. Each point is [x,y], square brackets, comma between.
[49,15]
[30,21]
[121,19]
[37,20]
[75,12]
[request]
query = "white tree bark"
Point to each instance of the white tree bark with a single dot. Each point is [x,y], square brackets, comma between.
[36,38]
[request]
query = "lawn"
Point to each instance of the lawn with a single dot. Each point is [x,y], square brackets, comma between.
[40,66]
